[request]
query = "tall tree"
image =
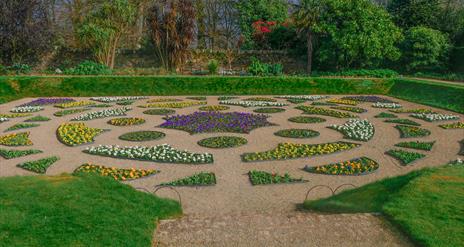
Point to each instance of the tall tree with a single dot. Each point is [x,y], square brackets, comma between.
[172,24]
[412,13]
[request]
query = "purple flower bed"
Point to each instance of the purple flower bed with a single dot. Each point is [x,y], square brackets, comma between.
[368,98]
[201,122]
[48,101]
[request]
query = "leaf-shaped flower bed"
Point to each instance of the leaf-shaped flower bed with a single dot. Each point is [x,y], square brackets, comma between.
[306,119]
[39,166]
[140,136]
[160,111]
[404,156]
[199,179]
[16,139]
[264,178]
[11,154]
[214,108]
[269,110]
[223,142]
[297,133]
[402,121]
[325,112]
[174,104]
[128,121]
[411,131]
[22,126]
[350,108]
[356,129]
[115,173]
[73,134]
[358,166]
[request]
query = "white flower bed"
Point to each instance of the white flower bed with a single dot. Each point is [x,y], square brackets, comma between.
[386,105]
[24,109]
[158,153]
[102,114]
[245,103]
[434,116]
[117,99]
[3,119]
[304,97]
[356,129]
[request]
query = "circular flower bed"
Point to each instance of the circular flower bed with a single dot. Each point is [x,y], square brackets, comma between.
[140,136]
[359,166]
[305,119]
[297,133]
[126,121]
[214,108]
[223,142]
[269,110]
[159,112]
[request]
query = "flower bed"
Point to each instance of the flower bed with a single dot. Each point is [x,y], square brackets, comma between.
[102,114]
[39,166]
[199,98]
[297,133]
[427,146]
[456,125]
[354,167]
[173,104]
[263,178]
[305,119]
[260,99]
[285,151]
[48,101]
[368,98]
[223,142]
[356,129]
[11,154]
[403,121]
[214,108]
[101,105]
[349,108]
[303,97]
[203,122]
[323,104]
[418,110]
[343,101]
[158,153]
[244,103]
[163,100]
[128,121]
[324,112]
[4,119]
[22,126]
[141,136]
[432,117]
[386,105]
[16,139]
[117,99]
[15,115]
[37,119]
[385,115]
[127,102]
[73,134]
[297,101]
[405,157]
[75,104]
[199,179]
[118,174]
[268,110]
[25,109]
[226,97]
[411,131]
[69,112]
[159,112]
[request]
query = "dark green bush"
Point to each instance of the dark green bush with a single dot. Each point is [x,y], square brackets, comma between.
[213,66]
[377,73]
[89,68]
[257,68]
[19,68]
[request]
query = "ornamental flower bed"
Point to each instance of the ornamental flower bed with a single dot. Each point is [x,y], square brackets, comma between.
[304,97]
[244,103]
[11,154]
[260,99]
[199,98]
[305,119]
[368,98]
[297,101]
[386,105]
[159,112]
[22,126]
[48,101]
[349,108]
[297,133]
[174,104]
[129,121]
[411,131]
[432,117]
[343,101]
[385,115]
[16,139]
[403,121]
[102,114]
[101,105]
[204,122]
[4,119]
[117,174]
[199,179]
[418,110]
[214,108]
[223,142]
[323,104]
[427,146]
[159,153]
[268,110]
[356,129]
[25,109]
[456,125]
[15,115]
[73,134]
[263,178]
[324,112]
[75,104]
[354,167]
[38,119]
[163,100]
[141,136]
[285,151]
[117,99]
[69,112]
[127,102]
[39,166]
[405,157]
[227,97]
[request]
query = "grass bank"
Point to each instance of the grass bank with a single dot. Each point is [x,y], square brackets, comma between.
[425,204]
[77,211]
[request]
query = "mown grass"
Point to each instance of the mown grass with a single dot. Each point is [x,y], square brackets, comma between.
[425,204]
[70,210]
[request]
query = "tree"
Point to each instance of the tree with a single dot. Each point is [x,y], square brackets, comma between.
[425,49]
[25,33]
[103,28]
[411,13]
[172,24]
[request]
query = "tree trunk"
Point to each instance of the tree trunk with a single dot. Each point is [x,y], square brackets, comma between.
[309,41]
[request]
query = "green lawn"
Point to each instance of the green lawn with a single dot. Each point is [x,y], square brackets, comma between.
[77,211]
[426,204]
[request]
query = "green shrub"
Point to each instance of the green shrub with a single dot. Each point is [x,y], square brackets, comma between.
[19,68]
[377,73]
[213,66]
[257,68]
[89,68]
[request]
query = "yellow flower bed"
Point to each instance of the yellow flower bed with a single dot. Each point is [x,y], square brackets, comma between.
[115,173]
[126,121]
[73,134]
[174,104]
[15,115]
[16,139]
[343,101]
[359,166]
[75,104]
[163,100]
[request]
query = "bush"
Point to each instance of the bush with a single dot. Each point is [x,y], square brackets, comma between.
[257,68]
[213,65]
[377,73]
[19,68]
[89,68]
